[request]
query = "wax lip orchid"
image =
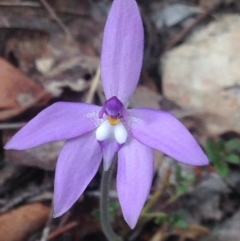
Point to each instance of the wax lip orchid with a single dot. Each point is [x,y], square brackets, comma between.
[92,132]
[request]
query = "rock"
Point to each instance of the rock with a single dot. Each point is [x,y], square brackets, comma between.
[229,230]
[213,3]
[233,181]
[144,97]
[203,74]
[203,203]
[174,14]
[44,65]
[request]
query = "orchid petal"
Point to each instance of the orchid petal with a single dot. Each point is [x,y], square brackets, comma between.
[162,131]
[134,178]
[109,131]
[122,50]
[60,121]
[120,133]
[109,148]
[77,164]
[104,131]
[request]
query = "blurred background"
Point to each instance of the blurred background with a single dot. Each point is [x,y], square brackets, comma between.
[50,51]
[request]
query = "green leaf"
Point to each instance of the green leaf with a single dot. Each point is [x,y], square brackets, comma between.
[182,188]
[161,219]
[178,173]
[233,158]
[189,177]
[113,207]
[222,168]
[211,146]
[96,213]
[214,151]
[181,223]
[178,219]
[233,144]
[221,145]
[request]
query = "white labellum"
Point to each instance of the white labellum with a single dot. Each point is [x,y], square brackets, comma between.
[107,131]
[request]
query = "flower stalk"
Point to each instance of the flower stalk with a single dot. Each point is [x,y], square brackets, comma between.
[104,204]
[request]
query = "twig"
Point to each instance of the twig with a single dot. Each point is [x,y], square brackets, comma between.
[25,196]
[62,230]
[185,31]
[10,126]
[154,215]
[57,19]
[144,215]
[47,227]
[37,5]
[112,194]
[157,193]
[171,200]
[94,85]
[83,60]
[19,4]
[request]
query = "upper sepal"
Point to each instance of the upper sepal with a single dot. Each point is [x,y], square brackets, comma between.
[122,50]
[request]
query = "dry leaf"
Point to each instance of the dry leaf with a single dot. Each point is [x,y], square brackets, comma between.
[20,223]
[17,91]
[192,232]
[44,156]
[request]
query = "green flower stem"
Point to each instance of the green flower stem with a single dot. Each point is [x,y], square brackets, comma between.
[104,204]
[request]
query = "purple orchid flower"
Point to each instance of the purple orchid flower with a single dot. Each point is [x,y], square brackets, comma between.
[92,132]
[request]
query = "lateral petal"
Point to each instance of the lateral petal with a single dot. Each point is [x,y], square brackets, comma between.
[60,121]
[77,164]
[162,131]
[109,148]
[134,178]
[122,50]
